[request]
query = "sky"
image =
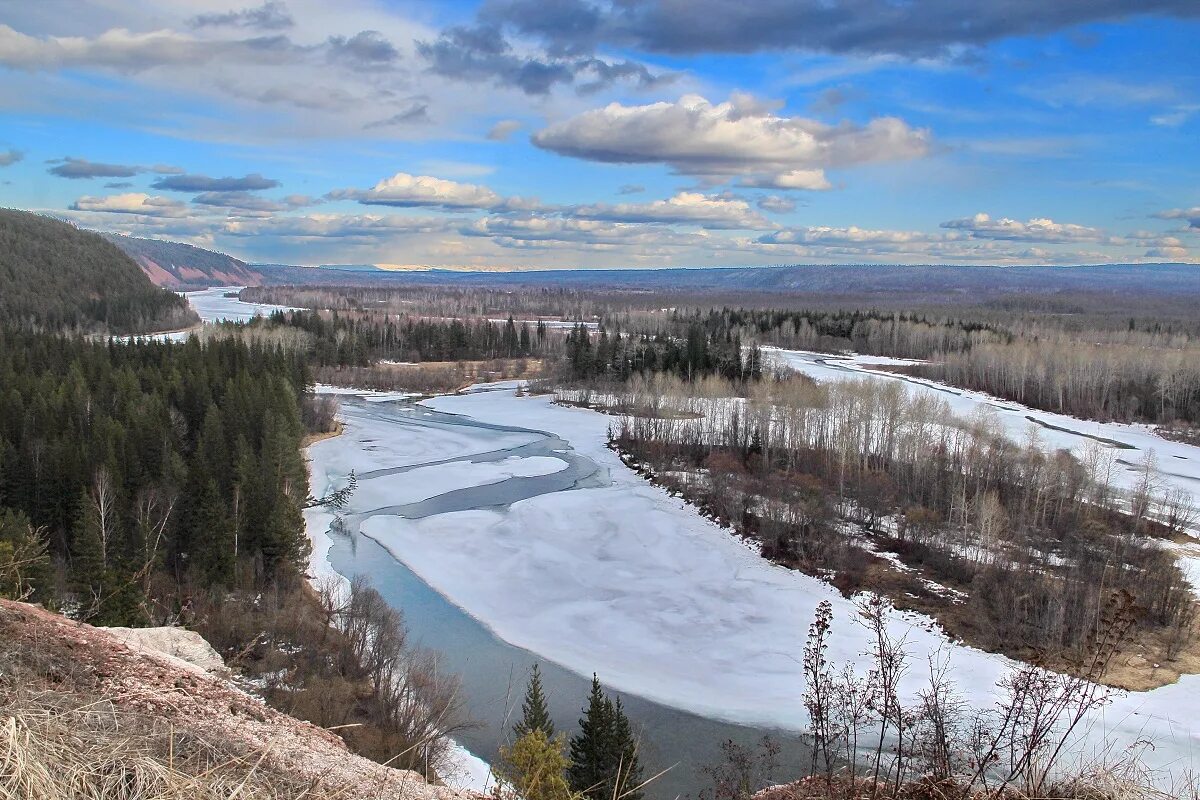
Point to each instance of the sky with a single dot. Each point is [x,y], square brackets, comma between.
[523,134]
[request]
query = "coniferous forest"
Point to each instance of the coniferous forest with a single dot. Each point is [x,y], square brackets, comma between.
[54,276]
[151,469]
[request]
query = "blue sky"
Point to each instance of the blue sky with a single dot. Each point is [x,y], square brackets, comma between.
[593,133]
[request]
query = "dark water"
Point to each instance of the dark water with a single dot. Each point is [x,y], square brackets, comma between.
[493,672]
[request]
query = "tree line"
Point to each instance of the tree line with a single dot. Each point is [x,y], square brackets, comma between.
[361,338]
[1140,371]
[618,357]
[1021,545]
[55,277]
[151,469]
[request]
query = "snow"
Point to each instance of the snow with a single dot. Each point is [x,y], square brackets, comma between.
[213,306]
[425,482]
[631,583]
[1177,464]
[467,771]
[370,395]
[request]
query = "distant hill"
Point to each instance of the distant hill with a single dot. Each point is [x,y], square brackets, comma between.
[177,265]
[54,276]
[885,281]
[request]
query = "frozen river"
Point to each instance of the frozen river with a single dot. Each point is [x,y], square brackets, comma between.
[508,532]
[431,466]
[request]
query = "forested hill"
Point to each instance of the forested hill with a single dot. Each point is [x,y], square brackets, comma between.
[54,276]
[176,265]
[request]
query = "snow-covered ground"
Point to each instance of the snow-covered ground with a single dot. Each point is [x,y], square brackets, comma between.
[1176,464]
[213,306]
[635,585]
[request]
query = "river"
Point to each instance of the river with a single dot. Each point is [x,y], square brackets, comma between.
[507,534]
[493,672]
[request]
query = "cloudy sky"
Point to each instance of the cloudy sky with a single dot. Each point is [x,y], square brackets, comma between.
[612,133]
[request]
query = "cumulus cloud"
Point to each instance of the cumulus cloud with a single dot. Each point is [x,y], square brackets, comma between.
[405,190]
[1189,215]
[688,208]
[982,226]
[503,129]
[139,204]
[10,156]
[738,137]
[203,183]
[920,29]
[269,16]
[812,180]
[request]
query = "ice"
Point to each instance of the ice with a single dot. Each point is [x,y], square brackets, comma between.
[213,306]
[1177,464]
[634,584]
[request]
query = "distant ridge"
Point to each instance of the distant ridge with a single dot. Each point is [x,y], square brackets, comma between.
[175,265]
[926,280]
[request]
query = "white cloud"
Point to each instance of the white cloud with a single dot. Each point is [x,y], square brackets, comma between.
[740,137]
[813,180]
[132,203]
[405,190]
[1038,229]
[689,208]
[1190,215]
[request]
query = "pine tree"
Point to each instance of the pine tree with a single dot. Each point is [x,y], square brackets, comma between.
[535,716]
[591,748]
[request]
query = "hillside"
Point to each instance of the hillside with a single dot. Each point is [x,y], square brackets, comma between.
[176,265]
[84,706]
[54,276]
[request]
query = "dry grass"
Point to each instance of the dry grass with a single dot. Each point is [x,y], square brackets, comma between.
[1117,782]
[52,748]
[82,715]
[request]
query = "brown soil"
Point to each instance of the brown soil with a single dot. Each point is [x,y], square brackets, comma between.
[47,655]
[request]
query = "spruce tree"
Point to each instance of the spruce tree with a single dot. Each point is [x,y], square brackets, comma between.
[591,748]
[535,716]
[628,769]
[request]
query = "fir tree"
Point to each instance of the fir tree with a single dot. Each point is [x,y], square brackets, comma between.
[604,762]
[535,716]
[591,748]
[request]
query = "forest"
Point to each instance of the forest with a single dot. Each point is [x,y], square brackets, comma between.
[54,276]
[1011,548]
[121,456]
[1073,354]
